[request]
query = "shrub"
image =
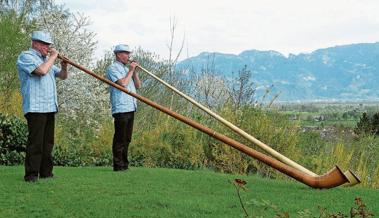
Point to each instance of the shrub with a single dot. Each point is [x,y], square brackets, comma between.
[83,146]
[269,127]
[364,125]
[172,145]
[79,155]
[368,124]
[359,155]
[13,139]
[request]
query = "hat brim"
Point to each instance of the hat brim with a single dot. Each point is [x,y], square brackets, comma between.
[118,51]
[43,41]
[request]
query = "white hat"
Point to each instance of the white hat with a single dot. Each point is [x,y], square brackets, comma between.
[42,36]
[122,48]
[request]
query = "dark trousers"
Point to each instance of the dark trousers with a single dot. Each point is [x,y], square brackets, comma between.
[39,160]
[123,129]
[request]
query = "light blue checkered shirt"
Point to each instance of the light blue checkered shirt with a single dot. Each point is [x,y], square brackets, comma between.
[39,93]
[121,102]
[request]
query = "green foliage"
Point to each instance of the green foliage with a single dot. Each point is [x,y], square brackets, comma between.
[81,147]
[272,129]
[365,159]
[80,156]
[242,92]
[364,125]
[13,39]
[171,145]
[27,10]
[315,150]
[327,114]
[375,123]
[323,146]
[359,155]
[13,139]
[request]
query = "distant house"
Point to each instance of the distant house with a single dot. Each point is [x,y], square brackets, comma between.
[319,118]
[293,117]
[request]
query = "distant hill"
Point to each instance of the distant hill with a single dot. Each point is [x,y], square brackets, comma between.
[342,73]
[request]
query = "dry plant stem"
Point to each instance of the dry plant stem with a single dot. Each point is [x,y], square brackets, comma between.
[239,197]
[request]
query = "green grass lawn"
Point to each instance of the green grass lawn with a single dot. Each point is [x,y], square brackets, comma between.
[145,192]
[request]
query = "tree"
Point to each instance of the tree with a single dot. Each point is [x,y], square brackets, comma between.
[375,123]
[242,90]
[81,97]
[76,94]
[209,88]
[364,125]
[16,22]
[13,40]
[26,10]
[173,59]
[83,100]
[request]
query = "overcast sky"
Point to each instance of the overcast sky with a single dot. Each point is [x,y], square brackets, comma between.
[231,26]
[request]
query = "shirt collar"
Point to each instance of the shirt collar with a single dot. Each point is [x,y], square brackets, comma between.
[37,53]
[119,62]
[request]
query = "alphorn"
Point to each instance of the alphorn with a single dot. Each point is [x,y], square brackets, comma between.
[353,179]
[332,178]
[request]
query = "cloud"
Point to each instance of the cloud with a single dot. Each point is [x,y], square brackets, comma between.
[290,26]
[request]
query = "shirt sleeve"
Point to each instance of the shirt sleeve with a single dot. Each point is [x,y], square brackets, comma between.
[28,62]
[56,70]
[114,73]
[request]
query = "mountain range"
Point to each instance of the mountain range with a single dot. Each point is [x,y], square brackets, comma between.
[340,73]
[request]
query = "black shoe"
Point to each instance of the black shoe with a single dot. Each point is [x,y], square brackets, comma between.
[31,179]
[120,169]
[46,177]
